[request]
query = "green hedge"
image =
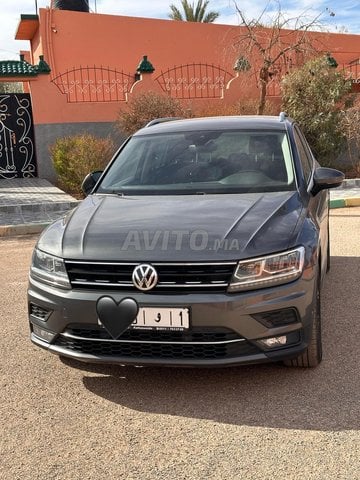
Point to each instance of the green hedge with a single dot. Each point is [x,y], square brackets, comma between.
[75,156]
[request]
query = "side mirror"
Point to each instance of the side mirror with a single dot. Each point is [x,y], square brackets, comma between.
[326,178]
[90,181]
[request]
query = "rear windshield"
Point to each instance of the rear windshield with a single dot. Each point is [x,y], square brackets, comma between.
[202,162]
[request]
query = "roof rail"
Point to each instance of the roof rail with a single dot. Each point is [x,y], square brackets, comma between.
[162,120]
[282,116]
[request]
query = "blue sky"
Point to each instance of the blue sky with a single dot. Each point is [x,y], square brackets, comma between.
[346,18]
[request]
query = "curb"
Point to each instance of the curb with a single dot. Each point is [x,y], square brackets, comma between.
[352,202]
[345,202]
[26,208]
[350,183]
[22,229]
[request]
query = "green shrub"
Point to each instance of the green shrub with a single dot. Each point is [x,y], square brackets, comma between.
[212,109]
[315,95]
[246,106]
[145,107]
[74,157]
[350,126]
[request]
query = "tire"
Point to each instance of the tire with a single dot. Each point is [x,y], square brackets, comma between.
[313,354]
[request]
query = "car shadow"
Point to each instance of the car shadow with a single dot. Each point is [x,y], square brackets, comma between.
[271,395]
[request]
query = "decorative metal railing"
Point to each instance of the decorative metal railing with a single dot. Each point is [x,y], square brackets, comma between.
[352,71]
[194,80]
[94,84]
[17,149]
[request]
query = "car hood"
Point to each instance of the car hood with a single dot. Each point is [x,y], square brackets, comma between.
[176,228]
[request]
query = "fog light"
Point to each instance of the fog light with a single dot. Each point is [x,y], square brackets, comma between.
[42,333]
[274,341]
[291,338]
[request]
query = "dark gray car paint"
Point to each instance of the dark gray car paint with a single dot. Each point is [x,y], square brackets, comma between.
[99,228]
[262,223]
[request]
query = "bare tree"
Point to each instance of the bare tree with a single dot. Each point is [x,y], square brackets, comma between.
[269,50]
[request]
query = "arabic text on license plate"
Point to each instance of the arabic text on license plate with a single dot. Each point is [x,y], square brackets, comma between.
[162,318]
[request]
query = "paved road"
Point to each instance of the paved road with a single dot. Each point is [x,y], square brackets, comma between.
[261,422]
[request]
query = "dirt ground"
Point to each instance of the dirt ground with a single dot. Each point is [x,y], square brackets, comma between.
[63,420]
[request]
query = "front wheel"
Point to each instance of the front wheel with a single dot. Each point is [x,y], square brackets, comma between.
[313,354]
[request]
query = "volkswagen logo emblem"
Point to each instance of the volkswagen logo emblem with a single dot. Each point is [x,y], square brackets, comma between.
[144,277]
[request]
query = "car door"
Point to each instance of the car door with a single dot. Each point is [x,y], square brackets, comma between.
[318,205]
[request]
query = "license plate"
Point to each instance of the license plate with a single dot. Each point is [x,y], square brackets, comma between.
[162,318]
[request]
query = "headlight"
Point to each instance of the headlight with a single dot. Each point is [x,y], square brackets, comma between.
[49,269]
[268,271]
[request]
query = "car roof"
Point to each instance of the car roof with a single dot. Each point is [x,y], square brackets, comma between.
[243,122]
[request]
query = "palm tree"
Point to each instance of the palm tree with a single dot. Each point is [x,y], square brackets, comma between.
[192,13]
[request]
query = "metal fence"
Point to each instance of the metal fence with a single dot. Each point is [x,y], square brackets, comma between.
[194,80]
[94,84]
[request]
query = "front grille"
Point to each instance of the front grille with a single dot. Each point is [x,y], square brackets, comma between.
[39,312]
[278,318]
[196,334]
[173,351]
[172,277]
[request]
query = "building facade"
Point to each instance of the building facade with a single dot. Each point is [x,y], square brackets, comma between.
[83,68]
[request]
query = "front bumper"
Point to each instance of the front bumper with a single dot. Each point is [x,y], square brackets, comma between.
[225,329]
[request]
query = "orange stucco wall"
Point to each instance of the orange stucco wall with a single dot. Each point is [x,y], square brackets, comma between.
[70,40]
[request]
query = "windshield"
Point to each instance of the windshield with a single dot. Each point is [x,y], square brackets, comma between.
[202,162]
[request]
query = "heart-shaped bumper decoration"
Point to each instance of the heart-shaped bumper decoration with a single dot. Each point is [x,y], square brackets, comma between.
[116,317]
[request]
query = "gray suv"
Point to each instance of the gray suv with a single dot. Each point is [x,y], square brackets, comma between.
[205,242]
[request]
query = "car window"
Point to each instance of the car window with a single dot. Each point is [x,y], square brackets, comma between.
[304,153]
[202,162]
[129,169]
